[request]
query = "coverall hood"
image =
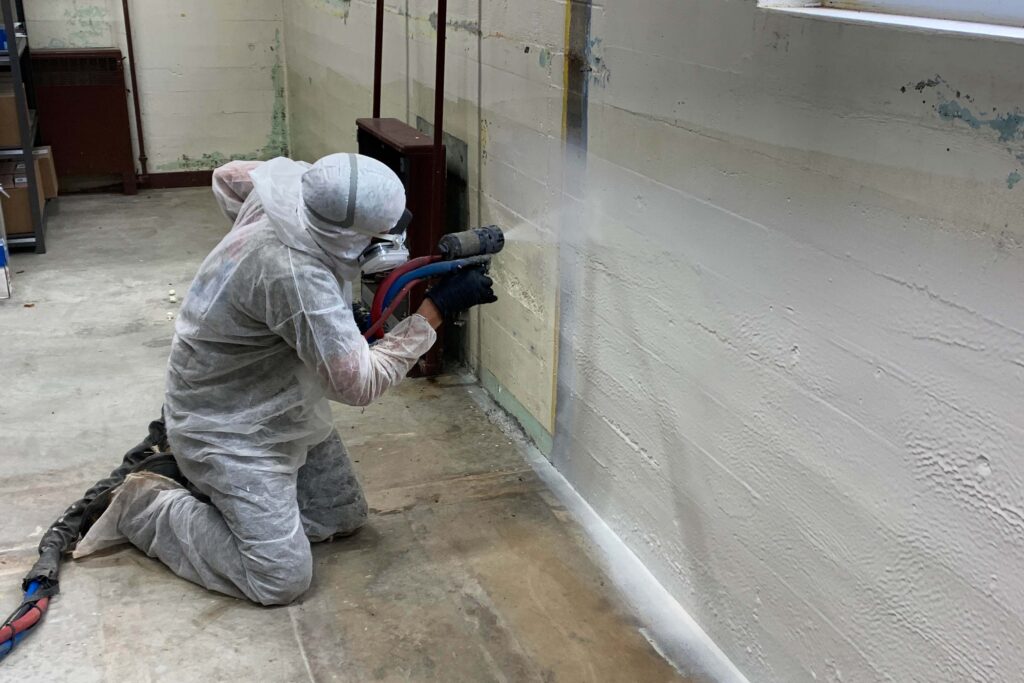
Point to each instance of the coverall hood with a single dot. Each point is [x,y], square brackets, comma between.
[331,209]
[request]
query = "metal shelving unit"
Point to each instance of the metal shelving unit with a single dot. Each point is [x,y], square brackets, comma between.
[20,66]
[5,56]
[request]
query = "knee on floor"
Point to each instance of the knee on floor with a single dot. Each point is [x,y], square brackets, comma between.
[283,583]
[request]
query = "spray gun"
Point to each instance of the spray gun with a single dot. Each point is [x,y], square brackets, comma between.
[477,242]
[456,250]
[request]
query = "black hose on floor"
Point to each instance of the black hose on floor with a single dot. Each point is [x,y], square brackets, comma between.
[43,581]
[64,533]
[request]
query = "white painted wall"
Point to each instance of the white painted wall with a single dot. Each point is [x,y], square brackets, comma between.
[793,338]
[787,283]
[211,76]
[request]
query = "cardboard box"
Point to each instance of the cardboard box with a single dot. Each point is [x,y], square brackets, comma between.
[9,135]
[46,174]
[16,208]
[47,171]
[17,214]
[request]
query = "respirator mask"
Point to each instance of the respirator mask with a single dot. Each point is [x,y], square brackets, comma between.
[387,252]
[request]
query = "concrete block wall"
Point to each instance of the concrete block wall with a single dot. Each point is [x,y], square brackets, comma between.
[777,275]
[792,335]
[211,74]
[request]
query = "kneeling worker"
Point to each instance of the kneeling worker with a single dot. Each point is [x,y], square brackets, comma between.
[265,338]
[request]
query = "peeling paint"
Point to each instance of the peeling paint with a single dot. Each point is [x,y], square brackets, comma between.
[87,14]
[950,106]
[203,162]
[86,26]
[779,41]
[277,140]
[484,139]
[599,72]
[466,25]
[338,8]
[183,104]
[1009,126]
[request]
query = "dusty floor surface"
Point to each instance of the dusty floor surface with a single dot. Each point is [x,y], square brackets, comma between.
[468,571]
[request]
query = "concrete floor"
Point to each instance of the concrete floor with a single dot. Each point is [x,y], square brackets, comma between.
[469,569]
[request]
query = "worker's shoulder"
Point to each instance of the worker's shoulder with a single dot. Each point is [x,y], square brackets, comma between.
[278,263]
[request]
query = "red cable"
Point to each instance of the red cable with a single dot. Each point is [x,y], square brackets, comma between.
[377,326]
[30,619]
[382,289]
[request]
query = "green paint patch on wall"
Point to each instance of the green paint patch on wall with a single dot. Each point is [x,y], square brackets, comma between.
[339,8]
[959,108]
[1009,126]
[277,141]
[466,25]
[85,26]
[504,398]
[203,162]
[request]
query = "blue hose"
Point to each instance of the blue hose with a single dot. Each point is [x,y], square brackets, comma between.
[430,270]
[8,645]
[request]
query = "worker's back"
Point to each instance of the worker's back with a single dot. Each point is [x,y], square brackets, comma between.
[233,382]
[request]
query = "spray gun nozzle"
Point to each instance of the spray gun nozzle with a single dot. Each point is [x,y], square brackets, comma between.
[476,242]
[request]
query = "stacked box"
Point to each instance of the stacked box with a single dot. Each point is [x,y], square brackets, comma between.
[16,204]
[9,131]
[48,171]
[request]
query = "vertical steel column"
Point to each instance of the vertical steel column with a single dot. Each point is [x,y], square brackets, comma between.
[378,52]
[143,159]
[24,125]
[439,158]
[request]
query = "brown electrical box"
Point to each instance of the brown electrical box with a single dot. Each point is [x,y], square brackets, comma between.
[83,112]
[410,154]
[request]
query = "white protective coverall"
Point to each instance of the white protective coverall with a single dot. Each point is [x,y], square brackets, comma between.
[263,340]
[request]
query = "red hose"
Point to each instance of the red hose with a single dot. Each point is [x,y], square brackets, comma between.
[395,303]
[28,620]
[378,299]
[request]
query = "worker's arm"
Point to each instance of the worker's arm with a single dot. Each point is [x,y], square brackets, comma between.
[232,186]
[307,310]
[362,375]
[430,313]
